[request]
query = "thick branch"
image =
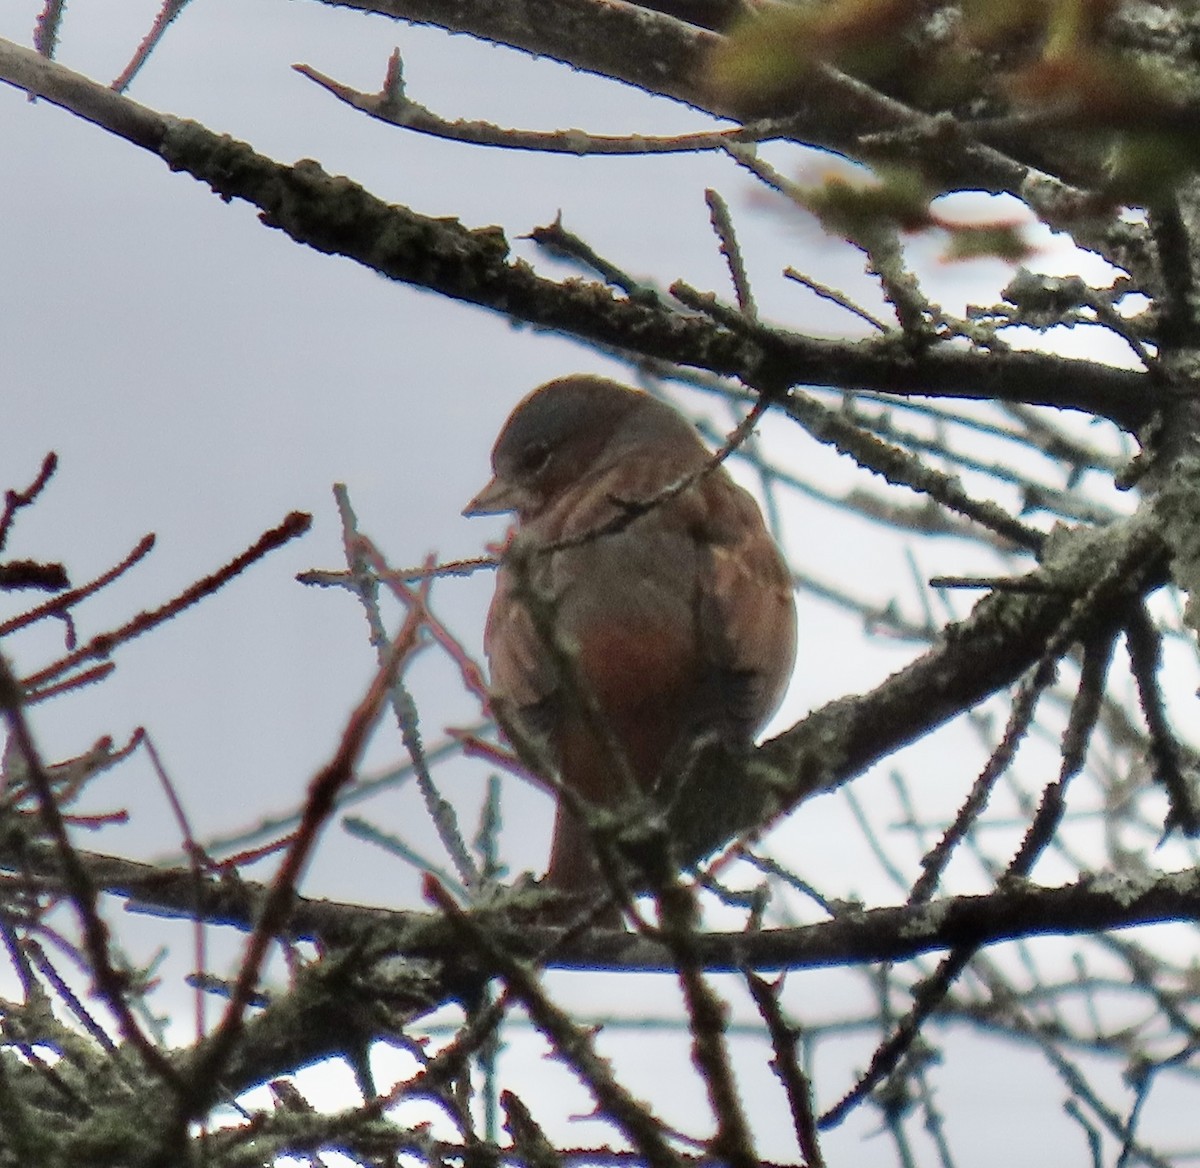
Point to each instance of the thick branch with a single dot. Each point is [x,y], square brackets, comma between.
[1004,636]
[40,77]
[666,56]
[1095,903]
[336,216]
[646,49]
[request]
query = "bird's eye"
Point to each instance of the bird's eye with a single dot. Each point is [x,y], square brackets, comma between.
[534,459]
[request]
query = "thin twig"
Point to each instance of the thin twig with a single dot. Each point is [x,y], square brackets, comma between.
[1085,711]
[393,106]
[834,296]
[82,891]
[15,500]
[198,862]
[573,1043]
[722,224]
[59,604]
[166,14]
[365,564]
[733,1143]
[295,524]
[784,1039]
[210,1056]
[1145,660]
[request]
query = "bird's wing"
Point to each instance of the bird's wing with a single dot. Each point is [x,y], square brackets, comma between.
[747,611]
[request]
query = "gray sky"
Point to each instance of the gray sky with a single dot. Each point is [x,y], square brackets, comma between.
[200,375]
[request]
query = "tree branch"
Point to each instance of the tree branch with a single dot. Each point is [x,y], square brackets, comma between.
[1095,903]
[1004,635]
[336,216]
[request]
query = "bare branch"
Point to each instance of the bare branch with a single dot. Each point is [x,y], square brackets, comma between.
[335,215]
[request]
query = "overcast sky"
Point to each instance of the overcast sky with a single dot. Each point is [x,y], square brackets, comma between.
[200,376]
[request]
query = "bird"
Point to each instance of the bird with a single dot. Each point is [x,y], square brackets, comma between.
[641,605]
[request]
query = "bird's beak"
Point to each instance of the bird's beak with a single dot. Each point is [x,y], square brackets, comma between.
[496,498]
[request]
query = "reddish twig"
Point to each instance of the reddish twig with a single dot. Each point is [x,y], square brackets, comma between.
[69,776]
[110,983]
[166,14]
[787,1068]
[98,820]
[15,500]
[499,756]
[734,1142]
[468,668]
[297,523]
[253,855]
[59,604]
[336,774]
[96,673]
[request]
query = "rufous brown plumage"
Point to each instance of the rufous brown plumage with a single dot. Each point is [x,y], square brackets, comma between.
[677,622]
